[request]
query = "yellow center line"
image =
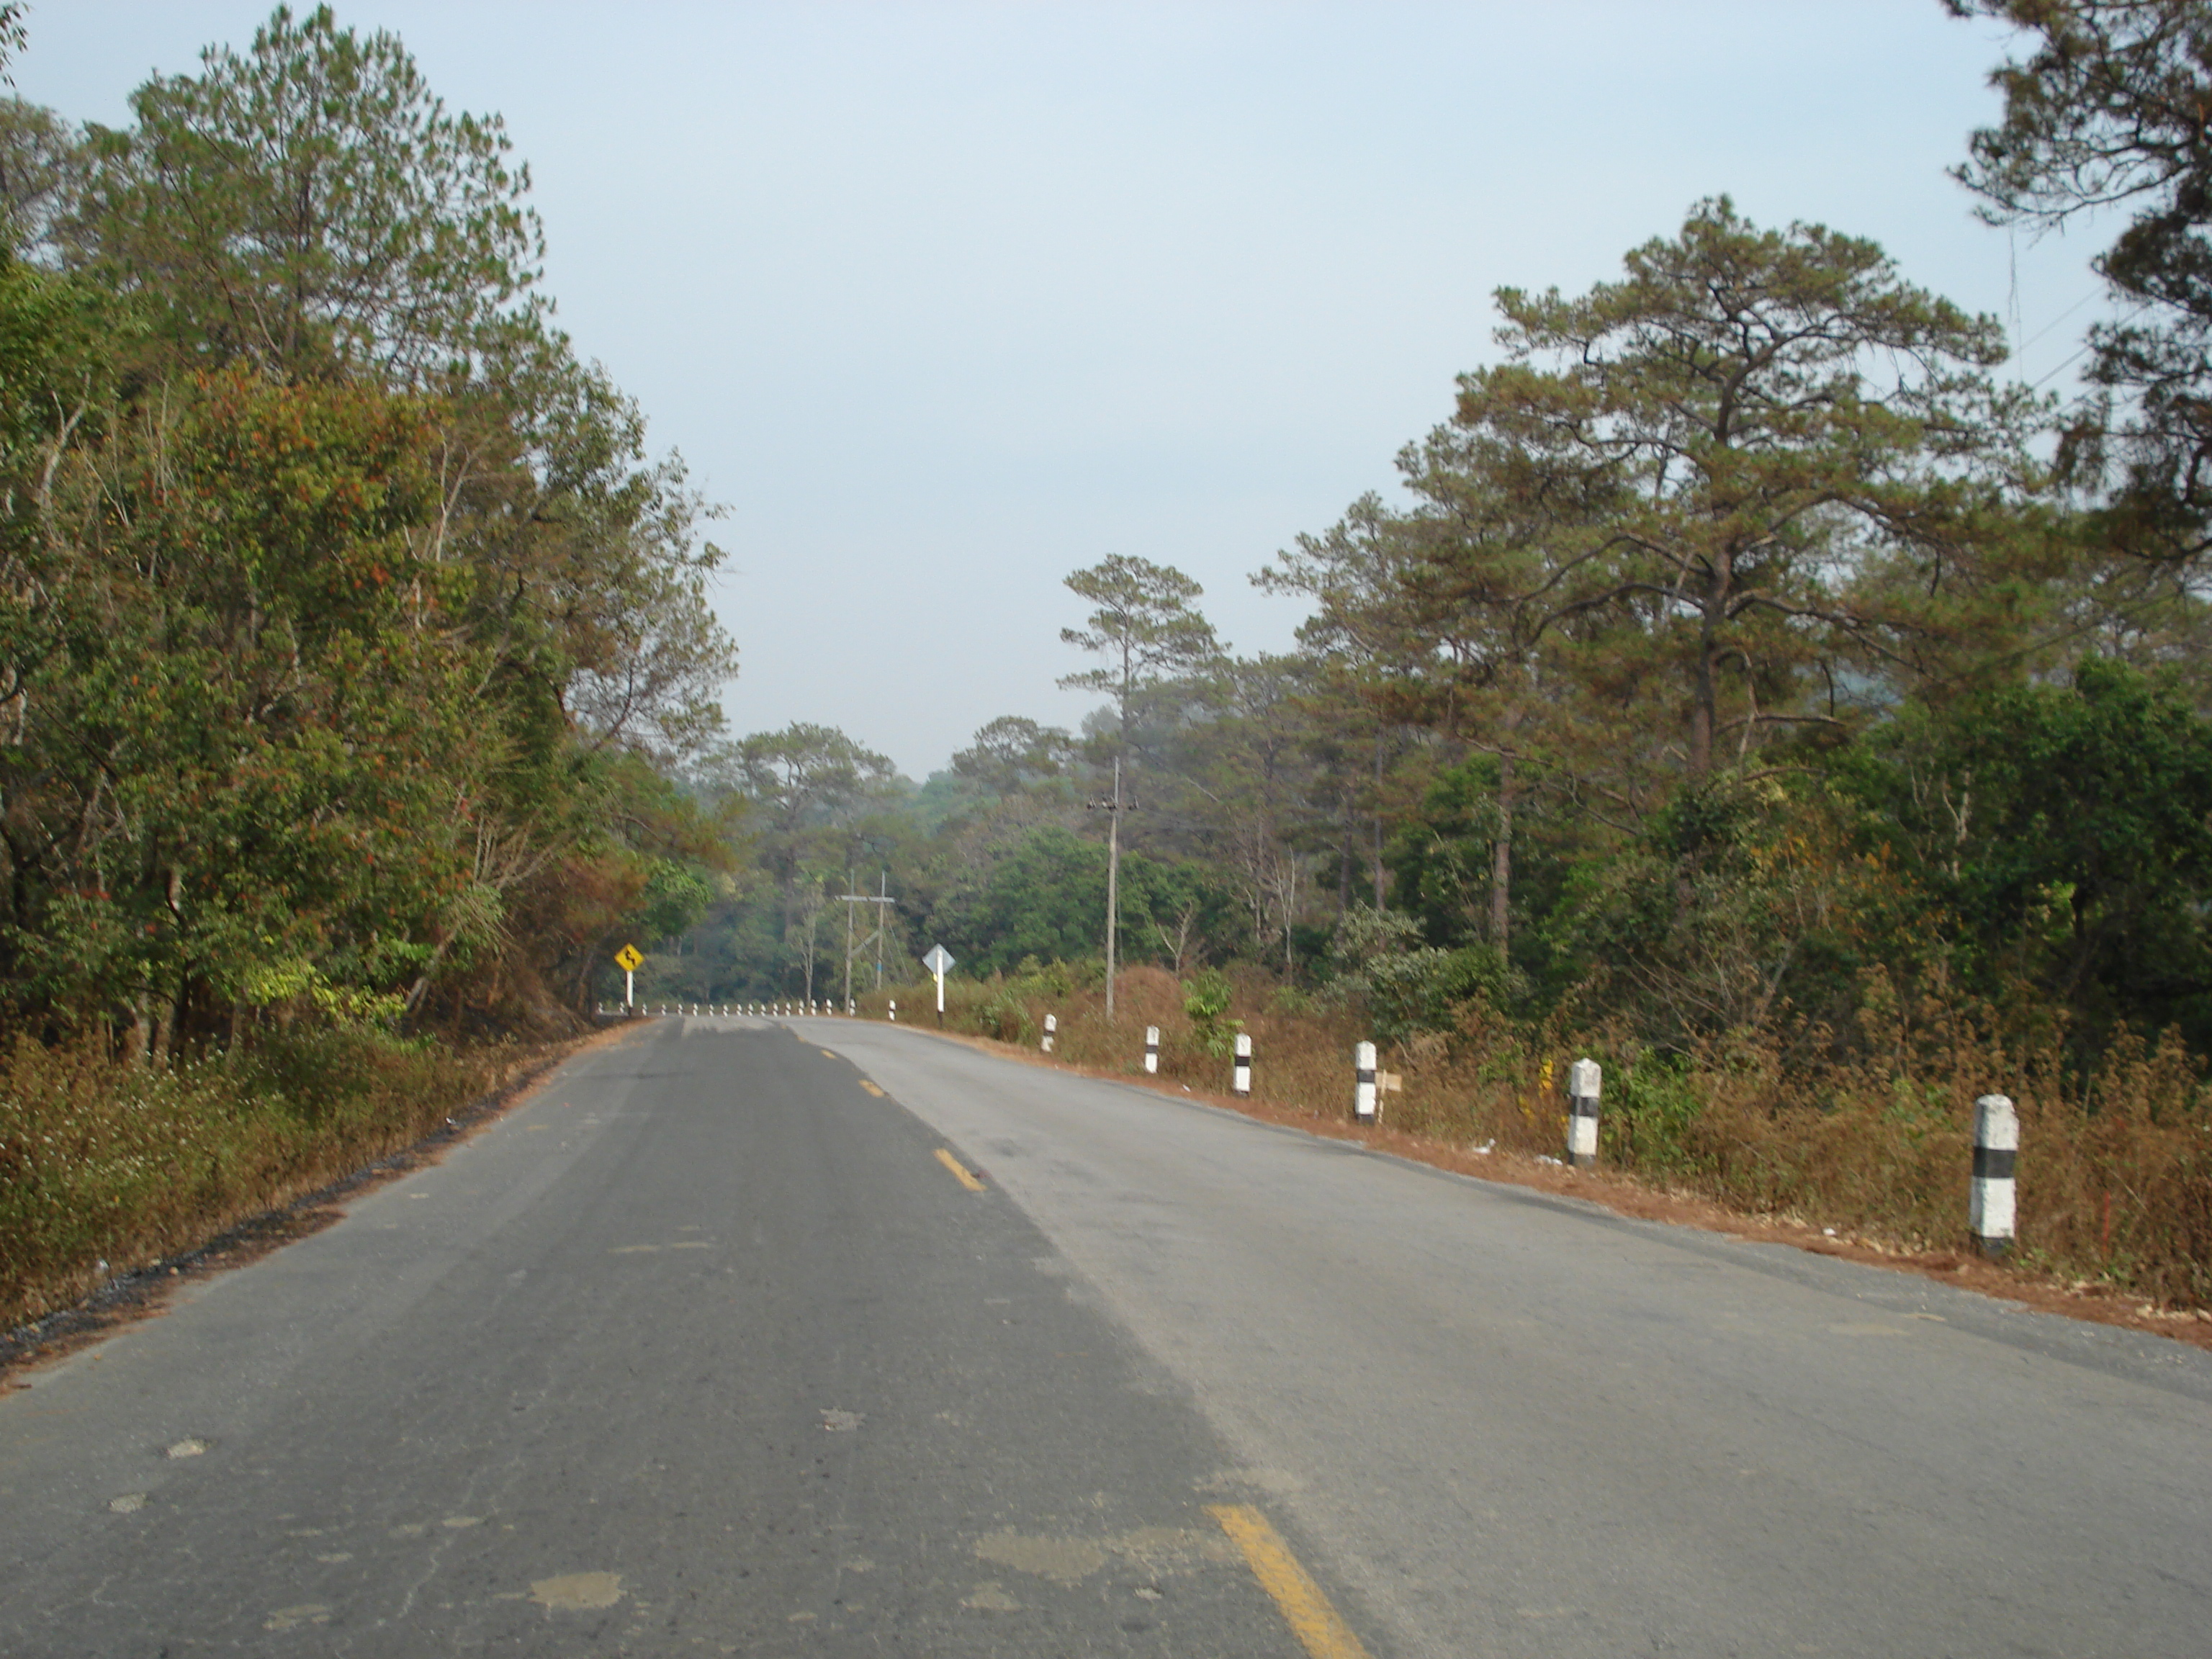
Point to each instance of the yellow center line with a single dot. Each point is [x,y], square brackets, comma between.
[872,1089]
[1304,1607]
[959,1170]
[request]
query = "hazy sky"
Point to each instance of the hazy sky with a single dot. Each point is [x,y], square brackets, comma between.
[946,300]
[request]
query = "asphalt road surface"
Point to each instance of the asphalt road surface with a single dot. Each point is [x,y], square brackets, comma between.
[832,1337]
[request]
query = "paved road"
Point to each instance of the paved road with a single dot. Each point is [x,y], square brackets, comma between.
[706,1350]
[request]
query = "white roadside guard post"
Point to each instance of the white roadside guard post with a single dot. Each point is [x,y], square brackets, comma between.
[894,1013]
[1996,1149]
[1151,1049]
[1240,1077]
[1051,1029]
[937,962]
[1363,1082]
[1584,1080]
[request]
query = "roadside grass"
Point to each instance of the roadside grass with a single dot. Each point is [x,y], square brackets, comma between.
[107,1167]
[1873,1139]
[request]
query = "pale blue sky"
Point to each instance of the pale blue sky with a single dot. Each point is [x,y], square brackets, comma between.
[946,300]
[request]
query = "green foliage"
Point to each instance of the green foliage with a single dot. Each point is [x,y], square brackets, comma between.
[1650,1117]
[309,205]
[1406,987]
[1146,627]
[2104,108]
[2064,834]
[347,632]
[1046,897]
[675,899]
[1206,1004]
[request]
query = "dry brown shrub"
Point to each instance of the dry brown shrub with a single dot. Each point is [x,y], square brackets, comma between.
[106,1166]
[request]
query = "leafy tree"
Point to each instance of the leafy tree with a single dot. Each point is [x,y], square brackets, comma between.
[2064,832]
[1146,628]
[42,168]
[1807,460]
[310,204]
[1011,754]
[231,745]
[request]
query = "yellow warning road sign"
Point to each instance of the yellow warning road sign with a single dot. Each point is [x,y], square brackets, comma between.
[628,959]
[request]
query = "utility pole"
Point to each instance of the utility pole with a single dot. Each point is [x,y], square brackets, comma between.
[883,920]
[879,899]
[1114,809]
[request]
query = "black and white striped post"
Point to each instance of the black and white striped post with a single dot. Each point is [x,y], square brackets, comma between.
[1051,1031]
[1584,1080]
[1990,1215]
[1151,1048]
[1363,1082]
[893,1016]
[1240,1075]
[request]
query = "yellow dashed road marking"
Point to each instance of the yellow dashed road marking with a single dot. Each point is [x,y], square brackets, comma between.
[1304,1607]
[960,1172]
[872,1089]
[826,1054]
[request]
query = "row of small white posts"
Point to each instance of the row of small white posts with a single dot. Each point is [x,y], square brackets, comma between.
[1990,1207]
[756,1010]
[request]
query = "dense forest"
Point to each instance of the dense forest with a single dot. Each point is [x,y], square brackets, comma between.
[1744,680]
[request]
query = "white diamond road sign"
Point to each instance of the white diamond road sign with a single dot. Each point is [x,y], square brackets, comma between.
[938,961]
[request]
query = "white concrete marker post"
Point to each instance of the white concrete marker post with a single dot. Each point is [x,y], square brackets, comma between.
[1151,1049]
[1585,1078]
[1996,1149]
[1051,1028]
[893,1013]
[1363,1083]
[1240,1076]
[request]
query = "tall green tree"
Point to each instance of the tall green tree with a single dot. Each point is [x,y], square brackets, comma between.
[1810,459]
[310,204]
[1148,630]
